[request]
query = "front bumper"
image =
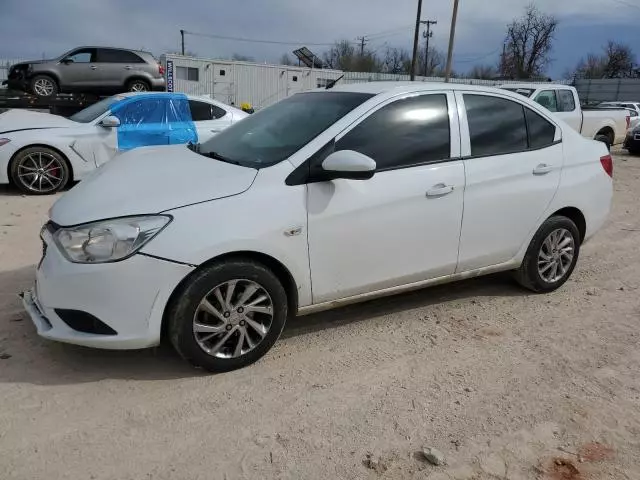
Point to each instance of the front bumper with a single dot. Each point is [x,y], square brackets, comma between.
[632,141]
[128,296]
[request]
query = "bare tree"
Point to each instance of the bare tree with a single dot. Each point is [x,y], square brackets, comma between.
[344,56]
[286,59]
[483,72]
[396,60]
[435,62]
[242,58]
[616,61]
[528,44]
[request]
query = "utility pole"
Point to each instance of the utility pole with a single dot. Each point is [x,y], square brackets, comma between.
[452,35]
[182,37]
[427,35]
[363,42]
[415,42]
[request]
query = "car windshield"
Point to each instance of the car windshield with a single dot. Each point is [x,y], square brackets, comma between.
[92,112]
[527,92]
[275,133]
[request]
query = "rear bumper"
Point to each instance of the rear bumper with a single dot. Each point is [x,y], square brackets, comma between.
[158,85]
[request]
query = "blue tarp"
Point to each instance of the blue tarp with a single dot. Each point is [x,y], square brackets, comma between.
[154,119]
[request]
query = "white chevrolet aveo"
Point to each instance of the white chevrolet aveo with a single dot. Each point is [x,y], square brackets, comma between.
[326,198]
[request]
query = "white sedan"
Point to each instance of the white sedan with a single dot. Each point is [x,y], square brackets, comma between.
[40,153]
[323,199]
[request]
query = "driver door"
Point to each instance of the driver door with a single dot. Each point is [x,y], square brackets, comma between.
[79,69]
[402,225]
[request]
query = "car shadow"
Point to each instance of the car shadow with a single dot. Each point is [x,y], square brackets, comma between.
[27,358]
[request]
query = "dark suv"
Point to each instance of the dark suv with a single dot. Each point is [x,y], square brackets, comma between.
[89,70]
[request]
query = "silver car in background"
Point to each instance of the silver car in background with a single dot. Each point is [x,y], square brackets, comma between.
[89,70]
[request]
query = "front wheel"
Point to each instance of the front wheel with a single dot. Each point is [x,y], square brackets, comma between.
[43,86]
[39,171]
[228,315]
[551,257]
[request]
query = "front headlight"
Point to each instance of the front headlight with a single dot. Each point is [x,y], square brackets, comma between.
[108,240]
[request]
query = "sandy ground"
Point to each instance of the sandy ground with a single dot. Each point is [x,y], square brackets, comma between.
[507,385]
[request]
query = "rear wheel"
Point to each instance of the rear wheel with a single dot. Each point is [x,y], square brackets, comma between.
[138,86]
[228,315]
[634,151]
[551,257]
[43,86]
[39,171]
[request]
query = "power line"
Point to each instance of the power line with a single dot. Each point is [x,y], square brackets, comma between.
[482,57]
[255,40]
[385,33]
[624,2]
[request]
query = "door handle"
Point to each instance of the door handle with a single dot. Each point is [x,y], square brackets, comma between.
[93,67]
[216,130]
[127,67]
[542,169]
[440,190]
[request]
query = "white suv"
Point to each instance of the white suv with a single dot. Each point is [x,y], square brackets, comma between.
[326,198]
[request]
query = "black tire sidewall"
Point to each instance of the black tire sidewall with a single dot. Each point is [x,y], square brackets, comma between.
[51,79]
[15,161]
[530,264]
[183,307]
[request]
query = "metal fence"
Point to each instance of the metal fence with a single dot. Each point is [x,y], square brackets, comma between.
[5,64]
[608,90]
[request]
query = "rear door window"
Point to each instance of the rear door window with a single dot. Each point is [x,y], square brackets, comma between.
[112,55]
[541,132]
[496,125]
[566,103]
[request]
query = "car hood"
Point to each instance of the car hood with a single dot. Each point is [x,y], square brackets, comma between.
[19,120]
[150,180]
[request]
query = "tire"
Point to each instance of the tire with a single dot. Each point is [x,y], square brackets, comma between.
[604,139]
[137,85]
[221,329]
[43,86]
[39,171]
[529,274]
[634,151]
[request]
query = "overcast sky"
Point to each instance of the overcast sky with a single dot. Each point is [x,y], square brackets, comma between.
[33,28]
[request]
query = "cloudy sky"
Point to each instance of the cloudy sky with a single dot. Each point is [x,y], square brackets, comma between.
[37,28]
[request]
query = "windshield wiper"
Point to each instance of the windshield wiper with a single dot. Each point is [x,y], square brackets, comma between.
[222,158]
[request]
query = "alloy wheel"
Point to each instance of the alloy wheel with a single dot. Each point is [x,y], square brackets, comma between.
[43,87]
[138,87]
[41,172]
[556,255]
[233,318]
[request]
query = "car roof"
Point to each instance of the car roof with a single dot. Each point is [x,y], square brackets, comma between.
[204,98]
[534,86]
[376,88]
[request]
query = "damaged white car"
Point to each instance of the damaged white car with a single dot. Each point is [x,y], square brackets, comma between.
[40,153]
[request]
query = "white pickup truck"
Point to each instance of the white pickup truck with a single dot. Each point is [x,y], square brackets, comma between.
[608,125]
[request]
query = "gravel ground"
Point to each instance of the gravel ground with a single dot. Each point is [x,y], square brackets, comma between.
[506,384]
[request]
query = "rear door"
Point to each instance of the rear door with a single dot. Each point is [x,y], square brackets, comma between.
[117,66]
[209,119]
[513,159]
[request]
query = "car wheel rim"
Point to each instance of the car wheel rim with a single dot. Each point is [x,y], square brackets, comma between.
[41,172]
[556,255]
[138,87]
[43,87]
[233,318]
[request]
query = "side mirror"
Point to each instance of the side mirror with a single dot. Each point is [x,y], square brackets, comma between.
[348,164]
[110,122]
[67,61]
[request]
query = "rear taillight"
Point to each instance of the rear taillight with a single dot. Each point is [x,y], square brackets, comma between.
[607,164]
[628,121]
[161,72]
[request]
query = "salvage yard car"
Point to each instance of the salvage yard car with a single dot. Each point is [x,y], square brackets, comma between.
[89,69]
[607,125]
[326,198]
[40,153]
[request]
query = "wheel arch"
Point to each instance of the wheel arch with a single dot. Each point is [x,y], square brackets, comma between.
[576,216]
[43,145]
[137,76]
[276,266]
[607,131]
